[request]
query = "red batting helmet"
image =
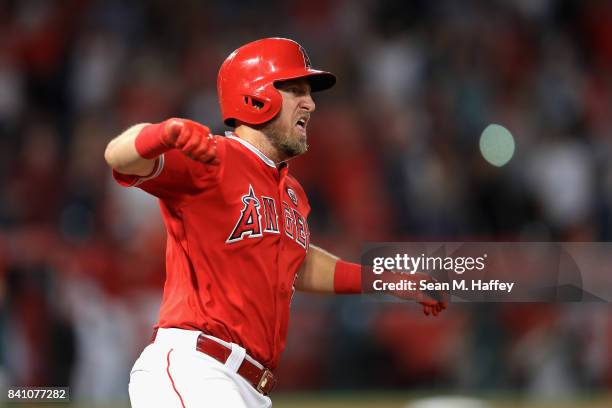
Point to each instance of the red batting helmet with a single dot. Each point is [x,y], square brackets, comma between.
[247,77]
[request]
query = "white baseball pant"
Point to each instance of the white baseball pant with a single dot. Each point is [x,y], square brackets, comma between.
[171,373]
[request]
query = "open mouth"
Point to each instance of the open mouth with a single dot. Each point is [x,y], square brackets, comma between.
[301,123]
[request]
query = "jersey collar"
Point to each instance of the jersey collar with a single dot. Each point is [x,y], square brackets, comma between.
[263,157]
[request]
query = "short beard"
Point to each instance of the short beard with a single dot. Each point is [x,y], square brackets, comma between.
[282,141]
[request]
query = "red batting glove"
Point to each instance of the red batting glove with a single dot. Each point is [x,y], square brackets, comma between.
[193,139]
[433,302]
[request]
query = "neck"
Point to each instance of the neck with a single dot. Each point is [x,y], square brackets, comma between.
[258,139]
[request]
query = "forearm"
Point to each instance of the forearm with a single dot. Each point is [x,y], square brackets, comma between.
[121,153]
[134,151]
[322,272]
[317,271]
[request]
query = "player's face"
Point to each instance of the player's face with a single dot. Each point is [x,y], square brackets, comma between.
[287,131]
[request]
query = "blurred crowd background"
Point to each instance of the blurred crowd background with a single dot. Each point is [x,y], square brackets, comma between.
[393,157]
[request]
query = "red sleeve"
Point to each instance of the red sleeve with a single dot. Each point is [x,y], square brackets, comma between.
[175,176]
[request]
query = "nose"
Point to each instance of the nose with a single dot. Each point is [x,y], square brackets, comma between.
[308,103]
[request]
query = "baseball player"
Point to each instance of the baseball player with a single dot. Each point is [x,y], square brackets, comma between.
[238,242]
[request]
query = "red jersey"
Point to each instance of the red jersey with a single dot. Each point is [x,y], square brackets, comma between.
[237,234]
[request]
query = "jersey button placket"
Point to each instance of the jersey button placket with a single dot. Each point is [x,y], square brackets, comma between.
[280,177]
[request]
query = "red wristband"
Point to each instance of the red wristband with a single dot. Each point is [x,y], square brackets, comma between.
[347,277]
[149,143]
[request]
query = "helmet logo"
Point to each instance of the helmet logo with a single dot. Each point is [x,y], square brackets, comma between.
[307,63]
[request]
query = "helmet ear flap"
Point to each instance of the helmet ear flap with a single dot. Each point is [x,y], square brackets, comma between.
[262,107]
[255,105]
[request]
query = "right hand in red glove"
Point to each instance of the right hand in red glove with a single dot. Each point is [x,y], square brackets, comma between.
[193,139]
[433,302]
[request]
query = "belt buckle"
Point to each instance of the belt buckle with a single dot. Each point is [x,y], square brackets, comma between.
[266,377]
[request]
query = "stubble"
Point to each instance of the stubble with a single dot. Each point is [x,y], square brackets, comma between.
[288,144]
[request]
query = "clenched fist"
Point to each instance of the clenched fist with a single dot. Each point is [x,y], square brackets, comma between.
[193,139]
